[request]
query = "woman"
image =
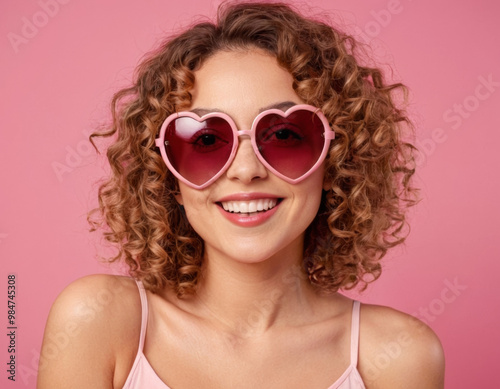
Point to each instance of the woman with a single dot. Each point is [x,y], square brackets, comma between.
[257,169]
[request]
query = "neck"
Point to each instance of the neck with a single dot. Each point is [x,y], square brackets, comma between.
[250,298]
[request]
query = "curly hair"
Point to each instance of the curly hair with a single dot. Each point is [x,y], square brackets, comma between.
[368,168]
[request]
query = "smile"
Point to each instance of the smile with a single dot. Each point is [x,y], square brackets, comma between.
[249,207]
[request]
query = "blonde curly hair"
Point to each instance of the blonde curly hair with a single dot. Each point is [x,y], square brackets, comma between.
[368,167]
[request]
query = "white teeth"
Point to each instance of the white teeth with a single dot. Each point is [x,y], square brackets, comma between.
[249,206]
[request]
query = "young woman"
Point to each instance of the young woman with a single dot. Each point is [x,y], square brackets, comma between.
[258,168]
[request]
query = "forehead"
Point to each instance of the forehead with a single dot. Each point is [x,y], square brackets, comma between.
[239,82]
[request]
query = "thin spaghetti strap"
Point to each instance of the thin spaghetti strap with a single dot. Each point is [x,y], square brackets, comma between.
[144,315]
[355,332]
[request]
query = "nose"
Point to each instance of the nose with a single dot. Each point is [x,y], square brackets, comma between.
[246,167]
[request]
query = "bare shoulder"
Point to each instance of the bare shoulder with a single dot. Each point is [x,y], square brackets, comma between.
[95,301]
[398,351]
[91,331]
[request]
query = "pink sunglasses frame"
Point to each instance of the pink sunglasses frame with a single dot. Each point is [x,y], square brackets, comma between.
[329,134]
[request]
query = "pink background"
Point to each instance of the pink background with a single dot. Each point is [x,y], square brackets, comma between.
[62,62]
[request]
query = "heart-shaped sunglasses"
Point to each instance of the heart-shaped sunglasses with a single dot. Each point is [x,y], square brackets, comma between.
[291,144]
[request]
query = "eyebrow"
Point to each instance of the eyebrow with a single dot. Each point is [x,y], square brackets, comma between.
[283,106]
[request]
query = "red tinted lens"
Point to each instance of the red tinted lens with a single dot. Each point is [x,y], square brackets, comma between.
[292,144]
[198,150]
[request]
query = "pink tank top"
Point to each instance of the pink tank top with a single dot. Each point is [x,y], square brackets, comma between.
[142,374]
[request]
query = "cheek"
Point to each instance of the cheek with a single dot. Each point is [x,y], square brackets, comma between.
[312,205]
[312,193]
[314,185]
[195,204]
[195,216]
[191,198]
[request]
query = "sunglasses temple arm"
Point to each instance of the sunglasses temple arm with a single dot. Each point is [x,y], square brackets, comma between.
[329,134]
